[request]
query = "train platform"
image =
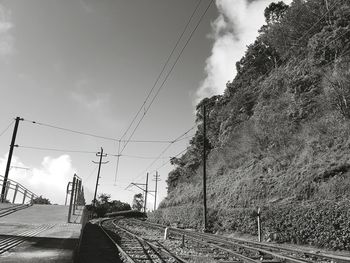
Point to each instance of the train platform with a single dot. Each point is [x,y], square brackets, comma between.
[39,233]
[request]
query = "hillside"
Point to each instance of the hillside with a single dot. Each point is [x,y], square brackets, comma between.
[278,137]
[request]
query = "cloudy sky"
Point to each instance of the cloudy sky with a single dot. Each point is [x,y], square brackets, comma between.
[88,65]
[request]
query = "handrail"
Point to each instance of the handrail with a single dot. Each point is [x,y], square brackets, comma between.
[18,188]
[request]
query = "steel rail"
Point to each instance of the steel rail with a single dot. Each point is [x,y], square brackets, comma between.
[120,250]
[293,250]
[206,245]
[153,246]
[263,246]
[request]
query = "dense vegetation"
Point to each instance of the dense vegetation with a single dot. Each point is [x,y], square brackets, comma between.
[278,138]
[104,205]
[41,200]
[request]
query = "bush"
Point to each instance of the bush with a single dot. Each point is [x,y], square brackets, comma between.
[41,200]
[322,224]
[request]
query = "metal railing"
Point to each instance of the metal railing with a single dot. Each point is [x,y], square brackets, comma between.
[17,188]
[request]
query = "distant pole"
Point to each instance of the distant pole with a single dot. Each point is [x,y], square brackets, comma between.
[146,192]
[71,198]
[15,194]
[75,195]
[259,225]
[204,170]
[99,154]
[4,183]
[156,178]
[67,192]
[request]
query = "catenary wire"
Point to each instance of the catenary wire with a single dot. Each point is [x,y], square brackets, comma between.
[168,74]
[162,152]
[94,135]
[163,68]
[53,149]
[8,126]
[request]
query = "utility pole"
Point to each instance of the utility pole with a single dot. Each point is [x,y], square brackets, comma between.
[9,159]
[156,179]
[99,154]
[71,198]
[146,192]
[204,170]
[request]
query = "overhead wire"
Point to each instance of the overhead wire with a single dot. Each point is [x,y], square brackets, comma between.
[178,58]
[169,72]
[53,149]
[92,171]
[288,51]
[86,152]
[184,150]
[159,76]
[7,127]
[163,68]
[94,135]
[162,152]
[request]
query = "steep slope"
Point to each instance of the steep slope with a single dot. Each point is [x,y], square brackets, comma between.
[279,136]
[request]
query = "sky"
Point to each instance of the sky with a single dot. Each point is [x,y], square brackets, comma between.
[88,65]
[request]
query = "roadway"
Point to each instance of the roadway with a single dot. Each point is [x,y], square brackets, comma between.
[39,233]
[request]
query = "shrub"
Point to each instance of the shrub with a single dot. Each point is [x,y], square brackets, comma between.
[322,224]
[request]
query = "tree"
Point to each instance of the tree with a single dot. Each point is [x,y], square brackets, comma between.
[117,205]
[274,12]
[137,203]
[104,205]
[41,200]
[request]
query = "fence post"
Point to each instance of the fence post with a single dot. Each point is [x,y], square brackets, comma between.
[75,195]
[71,199]
[166,233]
[24,196]
[8,184]
[259,225]
[15,194]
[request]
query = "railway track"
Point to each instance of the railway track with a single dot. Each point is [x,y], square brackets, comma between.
[9,242]
[134,249]
[242,250]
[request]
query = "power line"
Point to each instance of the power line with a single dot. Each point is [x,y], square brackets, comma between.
[138,157]
[163,68]
[288,51]
[321,18]
[164,150]
[94,135]
[184,150]
[168,74]
[5,130]
[89,176]
[52,149]
[88,152]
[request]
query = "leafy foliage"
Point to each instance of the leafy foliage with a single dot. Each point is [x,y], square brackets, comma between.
[323,224]
[137,203]
[104,205]
[41,200]
[280,132]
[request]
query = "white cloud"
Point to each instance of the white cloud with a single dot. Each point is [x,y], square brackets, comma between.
[236,27]
[6,39]
[49,180]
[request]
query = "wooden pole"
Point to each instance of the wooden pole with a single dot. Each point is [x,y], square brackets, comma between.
[204,171]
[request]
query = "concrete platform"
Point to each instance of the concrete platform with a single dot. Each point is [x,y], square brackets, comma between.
[56,242]
[41,214]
